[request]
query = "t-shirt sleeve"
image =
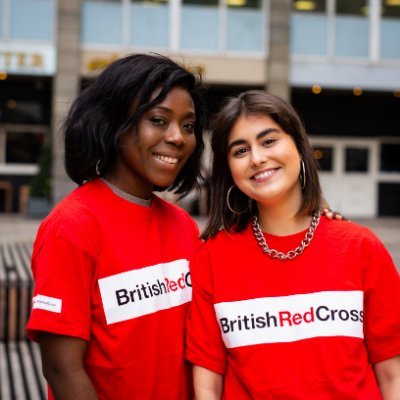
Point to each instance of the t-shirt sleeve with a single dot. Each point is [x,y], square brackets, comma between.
[382,303]
[204,345]
[63,275]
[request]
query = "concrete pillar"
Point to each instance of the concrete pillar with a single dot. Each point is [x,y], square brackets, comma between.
[279,48]
[65,88]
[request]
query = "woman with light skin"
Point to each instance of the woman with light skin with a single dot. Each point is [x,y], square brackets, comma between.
[286,304]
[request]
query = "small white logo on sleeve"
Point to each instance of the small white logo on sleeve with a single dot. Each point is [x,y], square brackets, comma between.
[47,303]
[145,291]
[291,318]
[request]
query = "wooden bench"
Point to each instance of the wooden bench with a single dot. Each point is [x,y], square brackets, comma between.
[16,285]
[20,365]
[21,371]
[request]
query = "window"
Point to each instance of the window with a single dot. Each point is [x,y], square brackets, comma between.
[1,18]
[309,6]
[204,25]
[22,112]
[324,156]
[390,29]
[23,147]
[101,21]
[390,160]
[245,25]
[24,100]
[353,7]
[149,23]
[356,159]
[309,27]
[200,24]
[32,19]
[391,8]
[243,4]
[201,2]
[234,25]
[352,22]
[389,195]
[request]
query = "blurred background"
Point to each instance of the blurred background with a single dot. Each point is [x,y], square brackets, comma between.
[337,61]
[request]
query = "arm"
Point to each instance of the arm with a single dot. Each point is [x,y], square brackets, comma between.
[388,376]
[62,359]
[207,384]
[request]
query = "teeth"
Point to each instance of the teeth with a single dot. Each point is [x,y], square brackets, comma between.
[264,175]
[166,159]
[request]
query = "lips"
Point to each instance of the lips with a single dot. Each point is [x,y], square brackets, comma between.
[263,175]
[168,159]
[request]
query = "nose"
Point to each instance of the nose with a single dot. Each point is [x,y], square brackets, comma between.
[258,156]
[174,135]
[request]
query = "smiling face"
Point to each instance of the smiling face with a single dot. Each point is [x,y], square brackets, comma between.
[165,140]
[264,161]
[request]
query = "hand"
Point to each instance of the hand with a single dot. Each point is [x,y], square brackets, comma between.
[333,214]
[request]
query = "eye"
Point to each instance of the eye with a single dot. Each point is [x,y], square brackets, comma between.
[268,142]
[240,152]
[189,127]
[157,121]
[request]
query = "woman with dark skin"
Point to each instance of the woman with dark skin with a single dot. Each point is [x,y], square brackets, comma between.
[112,283]
[286,304]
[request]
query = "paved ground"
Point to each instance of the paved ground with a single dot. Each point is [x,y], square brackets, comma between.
[387,229]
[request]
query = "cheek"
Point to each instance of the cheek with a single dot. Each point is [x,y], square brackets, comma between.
[191,145]
[236,169]
[290,158]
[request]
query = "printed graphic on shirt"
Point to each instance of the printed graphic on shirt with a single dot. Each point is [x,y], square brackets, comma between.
[46,303]
[144,291]
[291,318]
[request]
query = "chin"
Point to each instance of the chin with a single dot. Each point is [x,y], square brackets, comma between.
[163,184]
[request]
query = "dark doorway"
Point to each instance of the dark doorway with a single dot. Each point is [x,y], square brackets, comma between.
[389,199]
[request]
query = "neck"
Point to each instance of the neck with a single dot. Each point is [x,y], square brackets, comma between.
[282,219]
[130,186]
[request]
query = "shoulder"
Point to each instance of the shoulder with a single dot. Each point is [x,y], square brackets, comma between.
[72,219]
[75,208]
[173,212]
[352,235]
[225,240]
[348,230]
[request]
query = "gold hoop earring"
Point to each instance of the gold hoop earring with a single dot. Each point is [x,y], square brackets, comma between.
[229,205]
[302,176]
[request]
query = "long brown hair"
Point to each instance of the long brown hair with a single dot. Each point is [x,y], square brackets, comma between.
[254,102]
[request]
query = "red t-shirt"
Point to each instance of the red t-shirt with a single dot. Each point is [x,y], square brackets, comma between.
[116,274]
[307,328]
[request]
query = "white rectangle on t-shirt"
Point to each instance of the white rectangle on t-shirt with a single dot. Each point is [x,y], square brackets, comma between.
[145,291]
[46,303]
[291,318]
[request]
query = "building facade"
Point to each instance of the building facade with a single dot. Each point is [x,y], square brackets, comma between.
[337,61]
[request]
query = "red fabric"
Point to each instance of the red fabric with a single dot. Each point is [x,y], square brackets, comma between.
[343,258]
[94,234]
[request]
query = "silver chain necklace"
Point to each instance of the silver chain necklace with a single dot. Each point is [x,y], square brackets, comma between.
[292,253]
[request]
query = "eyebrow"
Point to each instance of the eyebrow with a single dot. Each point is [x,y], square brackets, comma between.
[259,136]
[190,114]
